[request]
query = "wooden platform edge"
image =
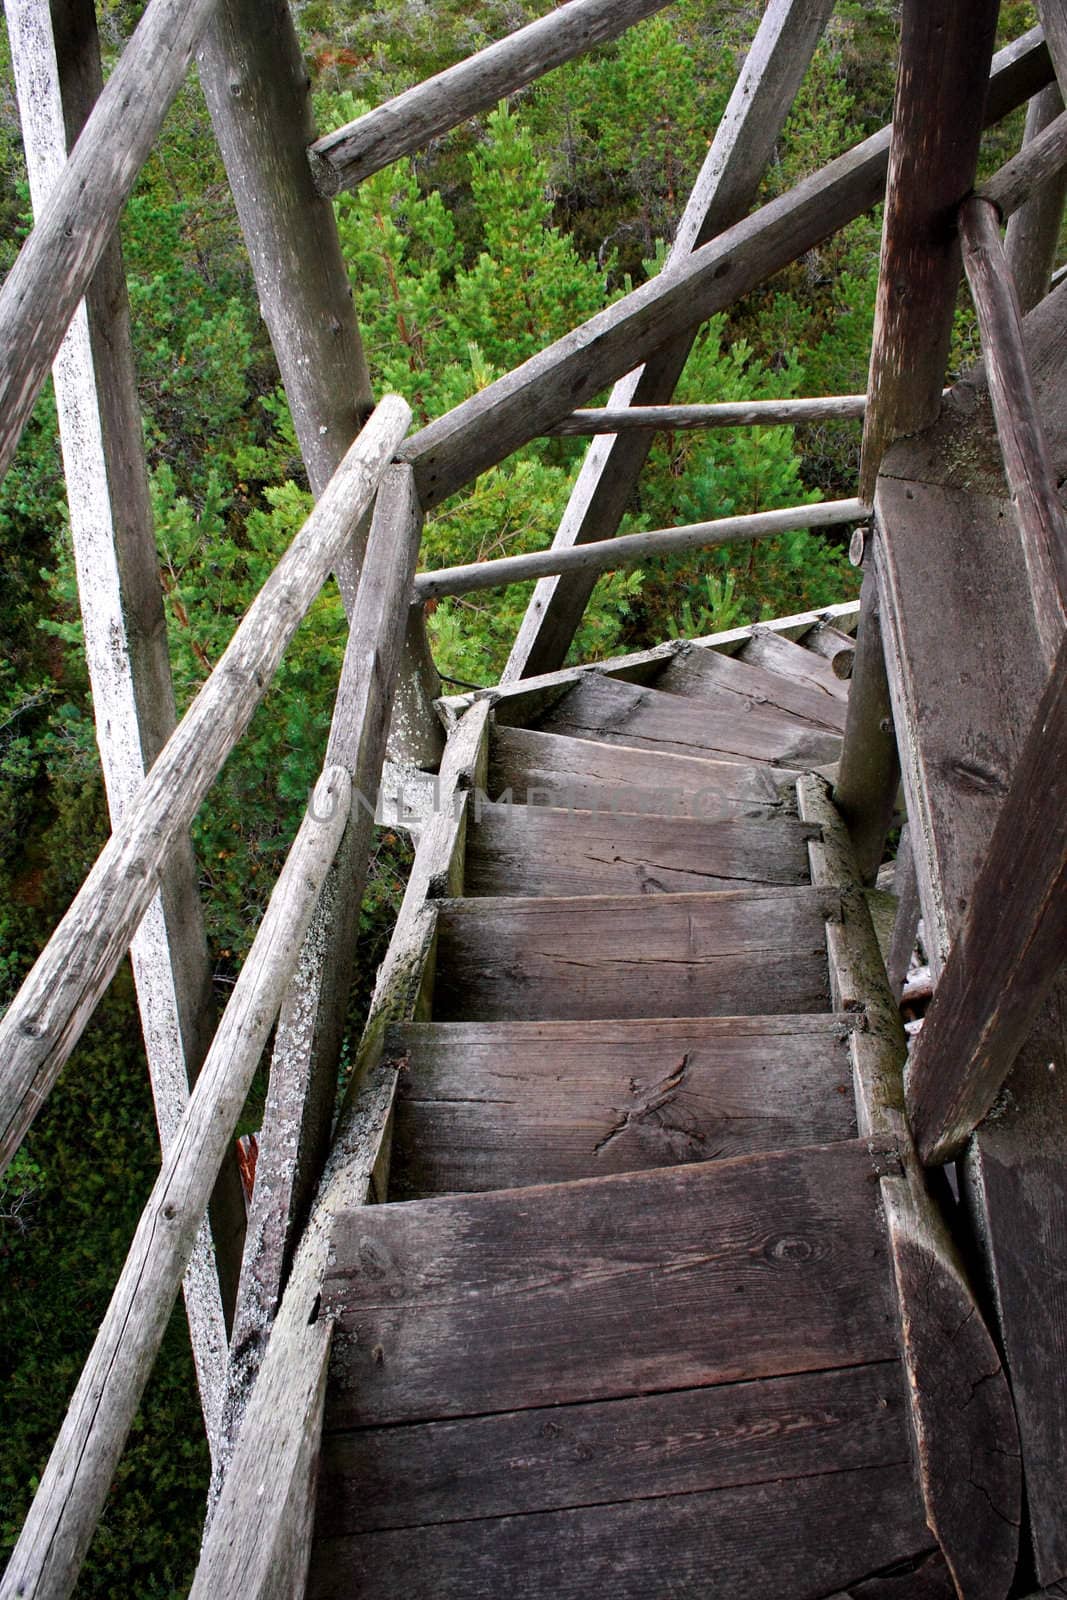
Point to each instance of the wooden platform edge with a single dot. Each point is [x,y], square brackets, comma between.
[963,1420]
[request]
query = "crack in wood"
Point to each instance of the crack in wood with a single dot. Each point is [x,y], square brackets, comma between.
[646,1117]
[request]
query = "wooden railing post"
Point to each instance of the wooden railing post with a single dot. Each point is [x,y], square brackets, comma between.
[1034,230]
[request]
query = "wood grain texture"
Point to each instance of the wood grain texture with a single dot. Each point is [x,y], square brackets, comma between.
[868,778]
[57,261]
[722,194]
[551,769]
[1033,231]
[547,1459]
[46,1018]
[258,93]
[621,713]
[1008,952]
[496,1105]
[942,72]
[633,956]
[908,912]
[717,679]
[732,414]
[74,1486]
[302,1087]
[536,850]
[478,1303]
[1042,158]
[838,648]
[343,159]
[796,1540]
[1028,467]
[768,649]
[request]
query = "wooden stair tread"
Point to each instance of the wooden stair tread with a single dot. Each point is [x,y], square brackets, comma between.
[474,1304]
[537,850]
[769,650]
[712,676]
[624,956]
[488,1105]
[583,772]
[610,710]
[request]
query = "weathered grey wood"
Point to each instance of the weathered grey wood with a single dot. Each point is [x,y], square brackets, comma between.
[869,775]
[724,190]
[921,1578]
[796,1539]
[966,1439]
[539,850]
[623,713]
[729,414]
[55,265]
[234,1546]
[550,769]
[1033,231]
[722,194]
[906,922]
[492,1302]
[942,73]
[56,60]
[1014,1182]
[844,615]
[711,677]
[680,955]
[416,738]
[301,1093]
[768,649]
[46,1017]
[61,1520]
[838,648]
[546,1459]
[1053,17]
[258,92]
[607,555]
[343,159]
[1027,462]
[1041,159]
[1009,950]
[501,1104]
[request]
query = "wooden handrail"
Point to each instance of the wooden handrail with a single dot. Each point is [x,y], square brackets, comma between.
[518,407]
[46,1017]
[54,266]
[1027,461]
[1009,950]
[735,414]
[605,555]
[66,1507]
[342,159]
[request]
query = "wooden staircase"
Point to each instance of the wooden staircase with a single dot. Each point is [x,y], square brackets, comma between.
[638,1313]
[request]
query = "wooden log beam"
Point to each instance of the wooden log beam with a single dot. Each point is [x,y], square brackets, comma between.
[65,1509]
[906,921]
[54,266]
[726,186]
[307,1047]
[46,1018]
[1033,234]
[945,53]
[608,554]
[56,59]
[679,419]
[1010,948]
[519,406]
[838,648]
[258,93]
[1052,14]
[1041,158]
[1027,461]
[341,160]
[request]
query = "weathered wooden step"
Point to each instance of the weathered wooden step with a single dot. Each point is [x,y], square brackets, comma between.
[550,768]
[628,713]
[631,1382]
[620,956]
[535,850]
[489,1105]
[769,650]
[718,679]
